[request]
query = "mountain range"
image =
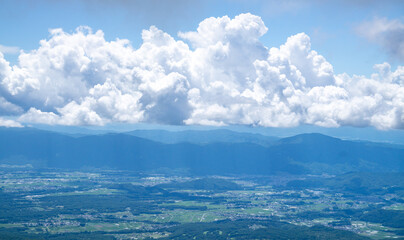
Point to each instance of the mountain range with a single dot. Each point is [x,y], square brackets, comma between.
[198,152]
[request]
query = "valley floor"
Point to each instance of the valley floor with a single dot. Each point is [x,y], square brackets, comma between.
[55,204]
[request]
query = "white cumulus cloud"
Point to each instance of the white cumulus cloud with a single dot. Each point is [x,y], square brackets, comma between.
[219,74]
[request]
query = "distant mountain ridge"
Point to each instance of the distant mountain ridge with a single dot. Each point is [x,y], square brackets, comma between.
[203,137]
[304,153]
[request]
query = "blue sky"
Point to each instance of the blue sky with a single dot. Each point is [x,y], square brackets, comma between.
[252,68]
[330,24]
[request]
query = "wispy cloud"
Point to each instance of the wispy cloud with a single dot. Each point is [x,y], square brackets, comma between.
[389,34]
[9,123]
[9,49]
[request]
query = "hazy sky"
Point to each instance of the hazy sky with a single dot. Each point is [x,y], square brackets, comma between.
[261,63]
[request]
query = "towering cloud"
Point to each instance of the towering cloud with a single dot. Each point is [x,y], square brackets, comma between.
[220,74]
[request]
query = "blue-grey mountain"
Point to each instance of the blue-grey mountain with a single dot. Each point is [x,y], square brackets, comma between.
[306,153]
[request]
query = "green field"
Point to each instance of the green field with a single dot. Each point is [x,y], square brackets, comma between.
[124,206]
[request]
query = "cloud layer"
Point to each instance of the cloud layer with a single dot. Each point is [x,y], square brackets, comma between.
[217,75]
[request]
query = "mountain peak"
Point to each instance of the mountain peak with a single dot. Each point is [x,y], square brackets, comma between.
[309,138]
